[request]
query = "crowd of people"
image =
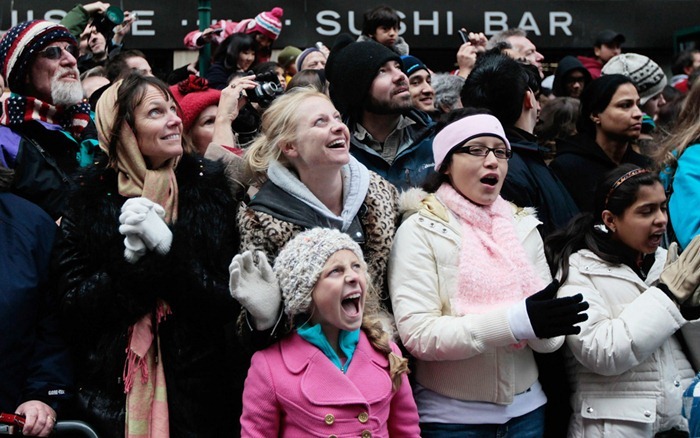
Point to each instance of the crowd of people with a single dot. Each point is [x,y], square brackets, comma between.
[340,241]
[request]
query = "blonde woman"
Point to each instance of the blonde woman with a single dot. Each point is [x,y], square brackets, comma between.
[307,178]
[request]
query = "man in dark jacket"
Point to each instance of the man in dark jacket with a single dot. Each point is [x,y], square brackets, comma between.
[34,360]
[508,89]
[370,89]
[570,78]
[45,130]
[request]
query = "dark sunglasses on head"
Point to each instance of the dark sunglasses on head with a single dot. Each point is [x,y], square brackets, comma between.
[482,151]
[55,52]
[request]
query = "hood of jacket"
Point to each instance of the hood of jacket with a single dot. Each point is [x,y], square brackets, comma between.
[567,65]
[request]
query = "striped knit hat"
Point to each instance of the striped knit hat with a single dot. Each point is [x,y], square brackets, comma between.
[267,23]
[20,45]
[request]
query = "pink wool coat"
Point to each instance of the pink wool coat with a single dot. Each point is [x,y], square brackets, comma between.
[294,390]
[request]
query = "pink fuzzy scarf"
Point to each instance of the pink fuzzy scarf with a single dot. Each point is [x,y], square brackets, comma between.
[494,270]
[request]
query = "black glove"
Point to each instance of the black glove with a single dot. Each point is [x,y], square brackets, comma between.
[551,317]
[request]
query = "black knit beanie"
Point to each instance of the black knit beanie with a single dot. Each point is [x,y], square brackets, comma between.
[351,68]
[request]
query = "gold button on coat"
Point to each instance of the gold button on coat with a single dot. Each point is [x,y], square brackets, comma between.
[366,434]
[363,417]
[330,419]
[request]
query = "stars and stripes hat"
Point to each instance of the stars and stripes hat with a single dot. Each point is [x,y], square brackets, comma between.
[19,46]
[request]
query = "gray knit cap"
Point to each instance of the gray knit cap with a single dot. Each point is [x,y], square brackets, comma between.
[301,261]
[647,76]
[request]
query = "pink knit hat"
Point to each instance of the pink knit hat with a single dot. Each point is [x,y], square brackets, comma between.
[267,23]
[457,133]
[194,96]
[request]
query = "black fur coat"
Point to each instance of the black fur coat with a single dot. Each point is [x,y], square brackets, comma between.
[102,295]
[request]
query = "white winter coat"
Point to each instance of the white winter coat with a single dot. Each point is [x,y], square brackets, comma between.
[627,370]
[463,357]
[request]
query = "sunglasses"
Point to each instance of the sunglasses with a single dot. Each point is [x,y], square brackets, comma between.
[55,52]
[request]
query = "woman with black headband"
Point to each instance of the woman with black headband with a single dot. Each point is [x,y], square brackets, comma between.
[627,369]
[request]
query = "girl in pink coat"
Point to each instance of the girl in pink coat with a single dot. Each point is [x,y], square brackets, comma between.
[337,373]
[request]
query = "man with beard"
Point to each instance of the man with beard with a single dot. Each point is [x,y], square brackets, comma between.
[45,130]
[370,89]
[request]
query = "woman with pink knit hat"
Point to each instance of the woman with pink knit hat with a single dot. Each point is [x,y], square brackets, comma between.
[464,275]
[265,28]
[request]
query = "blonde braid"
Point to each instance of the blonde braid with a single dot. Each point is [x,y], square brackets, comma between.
[376,324]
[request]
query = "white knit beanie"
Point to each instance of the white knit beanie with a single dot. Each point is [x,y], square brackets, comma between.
[647,76]
[301,261]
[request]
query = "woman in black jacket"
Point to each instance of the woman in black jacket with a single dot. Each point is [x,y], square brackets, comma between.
[608,125]
[143,252]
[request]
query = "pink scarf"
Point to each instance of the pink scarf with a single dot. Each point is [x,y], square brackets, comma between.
[494,271]
[146,398]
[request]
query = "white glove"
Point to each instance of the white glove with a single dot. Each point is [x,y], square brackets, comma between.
[255,287]
[134,209]
[134,248]
[147,223]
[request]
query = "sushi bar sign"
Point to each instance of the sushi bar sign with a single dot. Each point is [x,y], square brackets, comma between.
[554,23]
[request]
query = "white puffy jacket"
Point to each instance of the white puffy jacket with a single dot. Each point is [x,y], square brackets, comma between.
[466,357]
[628,371]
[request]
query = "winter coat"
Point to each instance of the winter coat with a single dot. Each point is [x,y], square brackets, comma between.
[44,158]
[34,359]
[580,164]
[626,368]
[566,66]
[685,186]
[470,357]
[102,296]
[413,164]
[273,217]
[294,390]
[530,183]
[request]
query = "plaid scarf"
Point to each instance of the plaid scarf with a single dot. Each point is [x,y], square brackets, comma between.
[144,379]
[18,109]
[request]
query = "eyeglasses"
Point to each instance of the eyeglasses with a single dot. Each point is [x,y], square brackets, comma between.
[55,52]
[482,151]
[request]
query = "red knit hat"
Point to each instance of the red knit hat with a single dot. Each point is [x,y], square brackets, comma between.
[267,23]
[194,96]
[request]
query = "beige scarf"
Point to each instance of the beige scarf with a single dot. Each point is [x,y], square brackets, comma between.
[146,397]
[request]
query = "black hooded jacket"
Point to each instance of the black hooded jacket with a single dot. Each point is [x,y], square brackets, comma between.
[567,65]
